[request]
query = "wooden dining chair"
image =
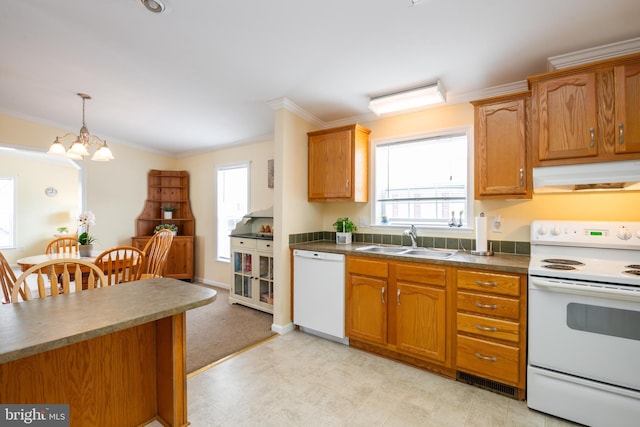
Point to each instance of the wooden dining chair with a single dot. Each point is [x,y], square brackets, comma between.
[7,279]
[59,273]
[121,264]
[156,251]
[64,243]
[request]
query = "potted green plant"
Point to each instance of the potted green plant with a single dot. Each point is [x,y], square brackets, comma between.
[344,230]
[168,211]
[171,227]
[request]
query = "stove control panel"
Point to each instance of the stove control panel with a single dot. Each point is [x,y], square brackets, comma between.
[606,234]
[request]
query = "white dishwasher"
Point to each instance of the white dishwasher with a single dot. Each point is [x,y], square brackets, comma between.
[319,294]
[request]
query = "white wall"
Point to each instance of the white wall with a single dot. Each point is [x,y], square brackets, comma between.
[115,190]
[203,183]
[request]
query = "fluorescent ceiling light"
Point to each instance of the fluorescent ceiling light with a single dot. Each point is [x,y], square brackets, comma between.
[408,99]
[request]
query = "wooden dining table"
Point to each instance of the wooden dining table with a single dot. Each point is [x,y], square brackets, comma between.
[29,261]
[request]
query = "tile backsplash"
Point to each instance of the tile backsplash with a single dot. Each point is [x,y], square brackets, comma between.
[502,246]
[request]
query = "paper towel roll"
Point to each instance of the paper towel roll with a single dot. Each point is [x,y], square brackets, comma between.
[481,233]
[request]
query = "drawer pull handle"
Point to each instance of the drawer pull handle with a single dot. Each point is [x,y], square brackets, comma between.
[593,137]
[487,328]
[489,306]
[483,283]
[489,358]
[398,296]
[621,139]
[383,290]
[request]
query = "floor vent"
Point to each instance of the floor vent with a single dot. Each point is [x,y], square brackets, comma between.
[506,390]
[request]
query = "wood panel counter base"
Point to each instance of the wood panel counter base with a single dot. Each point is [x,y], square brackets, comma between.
[124,365]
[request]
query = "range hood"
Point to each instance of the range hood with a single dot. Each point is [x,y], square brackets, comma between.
[604,176]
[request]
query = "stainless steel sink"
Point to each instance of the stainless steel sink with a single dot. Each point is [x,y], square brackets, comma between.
[383,249]
[430,252]
[408,251]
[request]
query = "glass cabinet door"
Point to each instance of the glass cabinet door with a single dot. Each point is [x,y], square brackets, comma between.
[242,269]
[266,279]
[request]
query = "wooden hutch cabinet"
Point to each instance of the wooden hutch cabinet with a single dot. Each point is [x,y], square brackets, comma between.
[169,189]
[338,164]
[501,147]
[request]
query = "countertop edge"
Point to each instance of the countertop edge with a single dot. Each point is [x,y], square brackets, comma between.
[510,263]
[23,347]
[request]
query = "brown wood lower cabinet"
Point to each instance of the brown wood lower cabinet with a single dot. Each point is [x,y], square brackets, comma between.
[180,259]
[455,321]
[400,310]
[491,328]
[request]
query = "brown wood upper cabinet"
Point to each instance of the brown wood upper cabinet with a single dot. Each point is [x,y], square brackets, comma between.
[338,164]
[587,113]
[501,147]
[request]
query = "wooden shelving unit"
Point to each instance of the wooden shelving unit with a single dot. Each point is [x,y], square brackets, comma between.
[169,188]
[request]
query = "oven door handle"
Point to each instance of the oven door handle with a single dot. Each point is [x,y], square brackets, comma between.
[585,289]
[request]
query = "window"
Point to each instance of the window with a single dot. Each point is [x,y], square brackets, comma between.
[233,204]
[7,212]
[423,181]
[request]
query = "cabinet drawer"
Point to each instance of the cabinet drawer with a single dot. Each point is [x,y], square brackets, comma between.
[489,305]
[416,273]
[495,283]
[487,359]
[239,242]
[367,267]
[264,245]
[489,327]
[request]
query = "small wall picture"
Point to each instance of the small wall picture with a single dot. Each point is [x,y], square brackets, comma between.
[270,173]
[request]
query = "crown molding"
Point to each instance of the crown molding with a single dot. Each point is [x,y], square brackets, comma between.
[585,56]
[287,104]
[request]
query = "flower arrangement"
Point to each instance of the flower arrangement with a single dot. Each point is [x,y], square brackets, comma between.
[168,208]
[171,227]
[86,220]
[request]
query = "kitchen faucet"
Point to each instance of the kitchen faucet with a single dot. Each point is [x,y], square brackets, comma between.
[411,232]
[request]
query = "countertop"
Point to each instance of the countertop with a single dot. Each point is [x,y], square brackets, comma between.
[498,262]
[39,325]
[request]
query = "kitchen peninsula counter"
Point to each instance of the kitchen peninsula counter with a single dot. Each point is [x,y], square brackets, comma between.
[115,354]
[498,262]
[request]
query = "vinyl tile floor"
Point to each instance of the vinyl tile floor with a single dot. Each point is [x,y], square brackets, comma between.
[299,379]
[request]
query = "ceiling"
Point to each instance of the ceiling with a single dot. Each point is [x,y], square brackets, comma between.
[203,73]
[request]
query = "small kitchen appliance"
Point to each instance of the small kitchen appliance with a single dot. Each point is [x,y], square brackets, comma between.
[584,321]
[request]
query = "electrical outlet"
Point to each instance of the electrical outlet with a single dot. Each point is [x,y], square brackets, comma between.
[364,221]
[496,225]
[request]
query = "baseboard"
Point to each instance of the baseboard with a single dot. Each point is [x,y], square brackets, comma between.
[212,283]
[279,329]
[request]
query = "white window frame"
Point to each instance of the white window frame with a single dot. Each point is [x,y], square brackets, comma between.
[468,219]
[10,229]
[223,241]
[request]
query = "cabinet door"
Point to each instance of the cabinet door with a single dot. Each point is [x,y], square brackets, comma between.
[627,108]
[330,160]
[180,259]
[501,149]
[367,309]
[421,320]
[265,277]
[243,274]
[567,113]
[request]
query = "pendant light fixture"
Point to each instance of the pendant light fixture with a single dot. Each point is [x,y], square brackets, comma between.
[79,148]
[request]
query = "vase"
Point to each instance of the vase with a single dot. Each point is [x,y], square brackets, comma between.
[85,250]
[343,238]
[168,214]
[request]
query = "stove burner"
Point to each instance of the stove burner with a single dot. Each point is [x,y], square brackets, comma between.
[559,266]
[563,262]
[632,272]
[633,266]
